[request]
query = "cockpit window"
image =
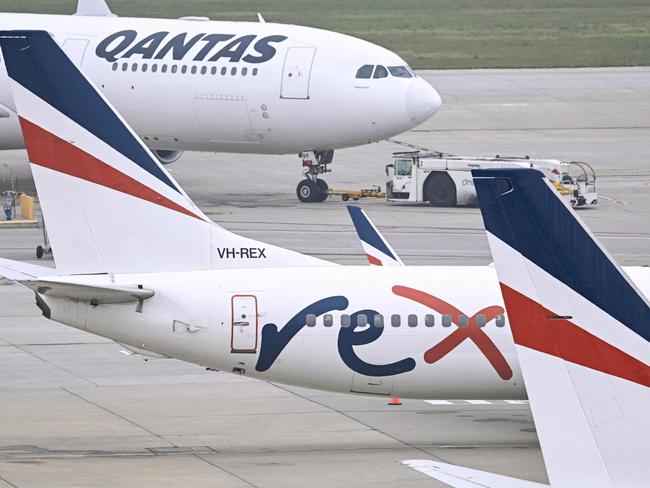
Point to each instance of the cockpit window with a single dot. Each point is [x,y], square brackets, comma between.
[400,72]
[380,72]
[365,71]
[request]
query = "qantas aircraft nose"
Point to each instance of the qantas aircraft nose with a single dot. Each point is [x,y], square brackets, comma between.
[422,100]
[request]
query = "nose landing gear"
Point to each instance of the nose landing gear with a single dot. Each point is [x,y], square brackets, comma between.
[312,188]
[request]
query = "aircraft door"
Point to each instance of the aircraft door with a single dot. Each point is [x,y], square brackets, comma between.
[244,324]
[75,49]
[297,72]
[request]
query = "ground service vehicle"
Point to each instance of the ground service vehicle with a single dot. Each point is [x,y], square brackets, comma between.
[444,180]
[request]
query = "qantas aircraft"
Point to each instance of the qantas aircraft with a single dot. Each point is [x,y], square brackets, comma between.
[199,85]
[139,263]
[582,333]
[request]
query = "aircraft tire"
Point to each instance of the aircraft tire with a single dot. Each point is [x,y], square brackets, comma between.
[440,190]
[322,187]
[39,252]
[307,191]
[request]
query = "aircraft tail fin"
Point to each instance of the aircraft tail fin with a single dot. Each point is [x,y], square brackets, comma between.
[582,332]
[377,249]
[109,205]
[94,8]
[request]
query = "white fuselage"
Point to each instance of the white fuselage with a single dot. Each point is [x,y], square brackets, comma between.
[239,320]
[233,86]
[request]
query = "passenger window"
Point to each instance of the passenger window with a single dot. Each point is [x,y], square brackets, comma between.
[154,68]
[184,69]
[174,69]
[480,320]
[328,320]
[378,320]
[446,320]
[125,66]
[145,67]
[233,71]
[345,320]
[134,67]
[362,320]
[164,68]
[204,70]
[412,320]
[500,320]
[114,66]
[380,72]
[400,72]
[224,70]
[254,71]
[311,320]
[193,70]
[244,71]
[429,320]
[395,320]
[365,71]
[214,70]
[463,321]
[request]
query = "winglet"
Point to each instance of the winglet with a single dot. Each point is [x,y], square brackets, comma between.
[377,249]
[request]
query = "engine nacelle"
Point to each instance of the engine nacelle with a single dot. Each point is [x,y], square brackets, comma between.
[167,156]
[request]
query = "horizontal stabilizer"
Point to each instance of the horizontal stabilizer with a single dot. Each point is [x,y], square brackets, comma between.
[460,477]
[92,294]
[17,271]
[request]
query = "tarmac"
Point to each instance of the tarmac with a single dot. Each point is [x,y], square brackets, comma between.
[75,411]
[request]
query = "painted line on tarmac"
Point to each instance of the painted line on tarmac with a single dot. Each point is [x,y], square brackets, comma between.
[476,402]
[613,200]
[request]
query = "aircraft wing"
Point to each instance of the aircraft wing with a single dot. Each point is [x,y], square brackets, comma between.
[377,249]
[459,477]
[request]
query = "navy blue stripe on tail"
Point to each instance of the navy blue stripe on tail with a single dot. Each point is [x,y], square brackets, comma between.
[35,60]
[520,209]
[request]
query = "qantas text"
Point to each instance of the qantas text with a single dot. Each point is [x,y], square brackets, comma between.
[204,47]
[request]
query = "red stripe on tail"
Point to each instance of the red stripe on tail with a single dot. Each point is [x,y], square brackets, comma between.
[47,150]
[374,261]
[532,328]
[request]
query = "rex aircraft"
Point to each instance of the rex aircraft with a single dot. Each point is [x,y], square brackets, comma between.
[243,87]
[139,263]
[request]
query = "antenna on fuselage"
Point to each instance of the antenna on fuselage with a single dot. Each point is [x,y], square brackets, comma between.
[260,18]
[94,8]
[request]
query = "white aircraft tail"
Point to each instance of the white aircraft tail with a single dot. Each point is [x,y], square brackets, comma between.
[109,205]
[378,251]
[581,329]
